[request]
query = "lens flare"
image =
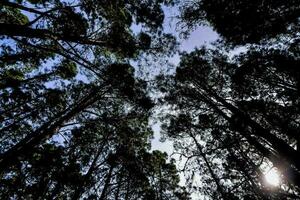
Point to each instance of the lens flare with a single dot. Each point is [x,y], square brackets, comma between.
[272,177]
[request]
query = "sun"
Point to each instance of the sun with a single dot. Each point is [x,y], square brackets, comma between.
[272,177]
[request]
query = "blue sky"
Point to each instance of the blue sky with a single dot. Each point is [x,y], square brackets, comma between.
[200,36]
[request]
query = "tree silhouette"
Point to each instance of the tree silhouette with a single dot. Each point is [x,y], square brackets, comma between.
[74,118]
[75,114]
[242,22]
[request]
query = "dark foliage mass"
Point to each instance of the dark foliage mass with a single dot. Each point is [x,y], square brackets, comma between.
[243,21]
[75,116]
[233,115]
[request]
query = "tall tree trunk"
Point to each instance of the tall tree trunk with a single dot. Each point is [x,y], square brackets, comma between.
[284,150]
[106,184]
[55,192]
[42,188]
[117,193]
[25,31]
[284,167]
[127,194]
[213,175]
[287,170]
[80,189]
[160,185]
[257,190]
[47,130]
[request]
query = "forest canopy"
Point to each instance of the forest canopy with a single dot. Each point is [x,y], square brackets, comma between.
[81,83]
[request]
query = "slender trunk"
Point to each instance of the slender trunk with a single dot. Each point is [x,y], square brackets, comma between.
[43,187]
[79,190]
[47,130]
[287,170]
[42,77]
[25,31]
[55,192]
[118,191]
[214,177]
[283,149]
[160,184]
[106,184]
[127,190]
[258,191]
[298,144]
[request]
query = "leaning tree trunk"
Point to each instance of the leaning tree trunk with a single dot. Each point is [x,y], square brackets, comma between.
[283,149]
[80,189]
[106,184]
[292,174]
[213,175]
[47,130]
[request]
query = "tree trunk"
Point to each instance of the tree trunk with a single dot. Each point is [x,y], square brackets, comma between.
[284,150]
[287,170]
[106,184]
[47,130]
[25,31]
[214,177]
[55,192]
[80,189]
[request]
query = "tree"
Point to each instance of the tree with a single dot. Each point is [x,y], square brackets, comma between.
[208,98]
[74,118]
[47,52]
[74,114]
[232,116]
[105,156]
[231,18]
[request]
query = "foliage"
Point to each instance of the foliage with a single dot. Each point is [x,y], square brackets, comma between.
[75,114]
[242,22]
[74,118]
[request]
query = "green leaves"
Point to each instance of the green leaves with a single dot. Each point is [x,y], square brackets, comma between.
[14,74]
[70,24]
[11,78]
[67,69]
[54,98]
[12,15]
[75,115]
[70,136]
